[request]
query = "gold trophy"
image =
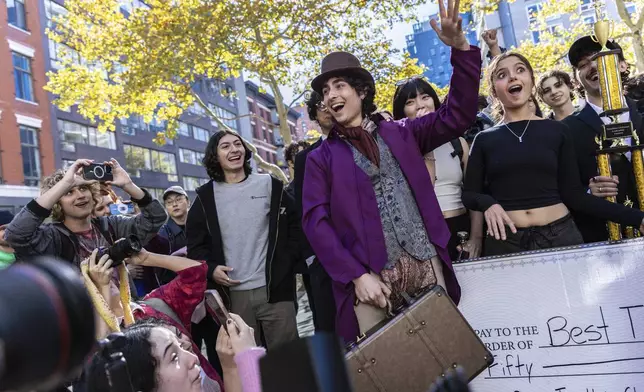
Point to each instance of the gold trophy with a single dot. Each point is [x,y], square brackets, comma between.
[616,133]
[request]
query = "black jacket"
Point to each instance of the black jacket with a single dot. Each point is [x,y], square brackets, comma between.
[175,237]
[583,126]
[299,169]
[205,243]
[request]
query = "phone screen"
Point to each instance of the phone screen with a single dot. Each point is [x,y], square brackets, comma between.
[214,301]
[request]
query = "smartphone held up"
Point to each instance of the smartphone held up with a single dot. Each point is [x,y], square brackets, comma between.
[216,305]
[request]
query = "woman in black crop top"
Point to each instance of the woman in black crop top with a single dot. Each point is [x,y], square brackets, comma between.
[523,173]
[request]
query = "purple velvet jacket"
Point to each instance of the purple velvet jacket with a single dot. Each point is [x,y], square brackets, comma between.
[340,213]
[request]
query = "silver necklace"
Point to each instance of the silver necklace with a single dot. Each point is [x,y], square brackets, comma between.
[523,133]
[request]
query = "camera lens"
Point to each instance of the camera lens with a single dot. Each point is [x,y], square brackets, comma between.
[43,324]
[99,172]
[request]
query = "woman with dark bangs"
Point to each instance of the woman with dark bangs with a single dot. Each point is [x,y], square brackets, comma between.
[415,98]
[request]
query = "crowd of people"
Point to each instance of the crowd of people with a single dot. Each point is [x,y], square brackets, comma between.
[375,212]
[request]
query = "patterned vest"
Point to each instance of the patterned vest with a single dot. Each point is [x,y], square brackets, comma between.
[403,226]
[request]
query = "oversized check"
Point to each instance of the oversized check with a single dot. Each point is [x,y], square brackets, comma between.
[567,320]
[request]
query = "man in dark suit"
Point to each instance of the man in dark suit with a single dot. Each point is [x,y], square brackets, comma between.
[586,124]
[322,303]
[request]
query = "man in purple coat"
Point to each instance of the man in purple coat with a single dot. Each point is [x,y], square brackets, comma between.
[369,207]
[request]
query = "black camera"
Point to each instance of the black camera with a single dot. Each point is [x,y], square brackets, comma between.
[121,250]
[46,325]
[98,172]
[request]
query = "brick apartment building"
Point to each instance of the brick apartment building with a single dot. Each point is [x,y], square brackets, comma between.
[26,142]
[265,125]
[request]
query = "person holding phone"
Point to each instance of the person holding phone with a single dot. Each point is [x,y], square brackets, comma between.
[174,303]
[69,198]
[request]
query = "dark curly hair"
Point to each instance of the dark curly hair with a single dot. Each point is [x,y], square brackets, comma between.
[410,90]
[634,87]
[291,151]
[561,76]
[137,351]
[211,162]
[312,105]
[363,86]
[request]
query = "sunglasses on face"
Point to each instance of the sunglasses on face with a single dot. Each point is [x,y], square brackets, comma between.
[321,106]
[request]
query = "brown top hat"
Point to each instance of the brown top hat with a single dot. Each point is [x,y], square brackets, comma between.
[338,64]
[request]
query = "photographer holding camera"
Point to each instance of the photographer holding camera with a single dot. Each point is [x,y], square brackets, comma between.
[70,200]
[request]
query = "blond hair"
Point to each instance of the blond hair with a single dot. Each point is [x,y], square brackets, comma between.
[48,182]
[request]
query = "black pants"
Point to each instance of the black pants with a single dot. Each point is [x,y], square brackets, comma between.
[324,310]
[207,330]
[562,232]
[456,224]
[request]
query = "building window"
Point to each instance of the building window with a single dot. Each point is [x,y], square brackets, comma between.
[190,156]
[195,108]
[58,52]
[156,193]
[591,20]
[227,117]
[140,158]
[200,133]
[533,11]
[184,129]
[22,77]
[30,155]
[432,51]
[587,5]
[535,37]
[72,133]
[192,183]
[16,12]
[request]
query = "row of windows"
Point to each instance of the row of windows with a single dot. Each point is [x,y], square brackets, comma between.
[226,116]
[141,158]
[72,133]
[193,131]
[190,156]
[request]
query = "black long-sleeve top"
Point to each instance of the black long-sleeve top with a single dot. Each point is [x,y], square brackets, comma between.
[540,172]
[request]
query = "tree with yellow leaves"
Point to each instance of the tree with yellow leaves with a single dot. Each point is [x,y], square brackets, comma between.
[146,63]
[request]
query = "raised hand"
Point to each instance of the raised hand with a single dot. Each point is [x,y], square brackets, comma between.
[489,37]
[74,175]
[121,178]
[451,25]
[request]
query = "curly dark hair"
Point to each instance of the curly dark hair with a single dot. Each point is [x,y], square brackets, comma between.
[410,90]
[137,351]
[634,87]
[291,151]
[312,105]
[561,76]
[363,86]
[211,162]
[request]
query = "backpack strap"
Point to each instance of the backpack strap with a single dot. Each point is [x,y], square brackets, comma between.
[159,305]
[106,230]
[458,150]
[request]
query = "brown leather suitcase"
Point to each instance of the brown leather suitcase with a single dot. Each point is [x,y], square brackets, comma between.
[409,352]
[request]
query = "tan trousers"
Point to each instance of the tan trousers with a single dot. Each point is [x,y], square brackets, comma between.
[369,316]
